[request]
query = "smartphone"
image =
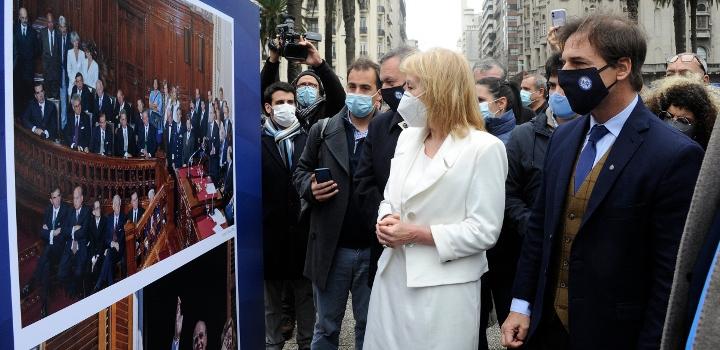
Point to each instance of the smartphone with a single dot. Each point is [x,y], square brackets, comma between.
[559,17]
[322,175]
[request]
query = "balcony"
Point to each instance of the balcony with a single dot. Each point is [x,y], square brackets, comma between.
[381,32]
[381,9]
[363,30]
[363,5]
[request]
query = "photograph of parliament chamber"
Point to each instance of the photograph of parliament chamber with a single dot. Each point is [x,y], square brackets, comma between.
[203,314]
[164,67]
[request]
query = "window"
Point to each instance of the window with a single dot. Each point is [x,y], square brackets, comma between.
[702,53]
[312,24]
[201,64]
[187,36]
[363,49]
[702,22]
[701,7]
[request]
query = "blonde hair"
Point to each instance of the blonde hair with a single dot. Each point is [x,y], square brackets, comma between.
[449,90]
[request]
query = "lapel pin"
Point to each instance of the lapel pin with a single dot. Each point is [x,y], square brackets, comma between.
[612,166]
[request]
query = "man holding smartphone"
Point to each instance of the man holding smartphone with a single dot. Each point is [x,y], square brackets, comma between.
[338,253]
[284,233]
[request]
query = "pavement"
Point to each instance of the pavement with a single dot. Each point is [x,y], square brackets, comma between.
[347,333]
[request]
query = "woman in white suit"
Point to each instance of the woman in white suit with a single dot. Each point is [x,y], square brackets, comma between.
[443,209]
[75,59]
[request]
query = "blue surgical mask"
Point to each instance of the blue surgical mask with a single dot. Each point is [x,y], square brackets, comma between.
[485,110]
[306,95]
[525,97]
[560,106]
[359,105]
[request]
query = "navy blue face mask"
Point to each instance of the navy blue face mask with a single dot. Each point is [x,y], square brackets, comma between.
[584,88]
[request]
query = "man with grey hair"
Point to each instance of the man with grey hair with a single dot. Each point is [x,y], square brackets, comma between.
[533,92]
[49,39]
[114,245]
[374,166]
[77,131]
[489,68]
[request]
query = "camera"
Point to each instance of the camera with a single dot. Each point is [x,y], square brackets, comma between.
[288,40]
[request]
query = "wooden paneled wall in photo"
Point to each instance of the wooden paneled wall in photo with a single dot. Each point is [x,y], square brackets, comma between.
[138,40]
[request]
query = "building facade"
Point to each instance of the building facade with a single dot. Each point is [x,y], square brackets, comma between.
[656,20]
[379,27]
[470,41]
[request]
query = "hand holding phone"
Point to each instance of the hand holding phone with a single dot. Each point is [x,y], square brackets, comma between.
[322,186]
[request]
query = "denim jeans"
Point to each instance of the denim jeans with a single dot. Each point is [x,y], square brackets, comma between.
[348,274]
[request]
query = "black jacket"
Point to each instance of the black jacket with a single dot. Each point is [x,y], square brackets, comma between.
[48,121]
[95,141]
[334,91]
[373,172]
[284,235]
[84,130]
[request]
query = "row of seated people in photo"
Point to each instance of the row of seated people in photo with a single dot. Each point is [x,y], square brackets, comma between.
[82,245]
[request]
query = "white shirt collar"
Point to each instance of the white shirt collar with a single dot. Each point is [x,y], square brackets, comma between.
[616,123]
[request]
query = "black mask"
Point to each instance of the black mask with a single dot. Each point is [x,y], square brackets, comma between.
[584,88]
[687,129]
[392,96]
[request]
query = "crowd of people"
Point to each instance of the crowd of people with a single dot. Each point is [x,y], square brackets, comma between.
[71,106]
[560,199]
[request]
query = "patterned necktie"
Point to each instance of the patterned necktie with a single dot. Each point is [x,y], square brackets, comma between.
[77,129]
[588,154]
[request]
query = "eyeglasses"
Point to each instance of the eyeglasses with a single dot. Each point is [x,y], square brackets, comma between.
[308,84]
[665,115]
[689,57]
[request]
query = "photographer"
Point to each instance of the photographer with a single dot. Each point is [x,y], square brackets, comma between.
[319,91]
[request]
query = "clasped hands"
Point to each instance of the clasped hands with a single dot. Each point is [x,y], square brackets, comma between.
[392,233]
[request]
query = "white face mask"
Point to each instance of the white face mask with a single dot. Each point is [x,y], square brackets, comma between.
[284,114]
[413,110]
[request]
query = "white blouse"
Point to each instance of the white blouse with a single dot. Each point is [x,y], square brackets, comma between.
[90,73]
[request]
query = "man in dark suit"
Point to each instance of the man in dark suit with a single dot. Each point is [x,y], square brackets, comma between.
[102,102]
[339,244]
[227,185]
[600,245]
[114,243]
[200,124]
[25,49]
[120,105]
[197,100]
[53,238]
[51,57]
[146,137]
[188,141]
[223,157]
[212,147]
[74,258]
[174,144]
[379,148]
[86,98]
[64,45]
[77,130]
[41,115]
[102,138]
[136,211]
[96,242]
[124,138]
[284,234]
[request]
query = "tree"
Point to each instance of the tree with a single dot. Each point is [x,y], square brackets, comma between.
[678,21]
[329,26]
[693,21]
[632,8]
[349,20]
[269,19]
[294,9]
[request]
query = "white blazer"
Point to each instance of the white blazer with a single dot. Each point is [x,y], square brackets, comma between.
[74,66]
[90,73]
[461,198]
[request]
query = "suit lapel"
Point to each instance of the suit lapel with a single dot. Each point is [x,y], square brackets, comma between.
[443,160]
[620,154]
[336,141]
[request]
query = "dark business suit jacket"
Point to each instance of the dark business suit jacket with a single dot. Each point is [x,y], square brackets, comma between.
[106,107]
[95,143]
[373,172]
[284,236]
[116,112]
[51,57]
[34,117]
[119,232]
[326,218]
[623,257]
[84,134]
[140,213]
[120,142]
[82,220]
[151,139]
[60,220]
[188,147]
[26,49]
[96,236]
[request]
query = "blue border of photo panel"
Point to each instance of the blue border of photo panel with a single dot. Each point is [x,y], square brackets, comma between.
[248,213]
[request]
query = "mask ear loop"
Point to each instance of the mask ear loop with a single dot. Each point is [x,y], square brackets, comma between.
[604,68]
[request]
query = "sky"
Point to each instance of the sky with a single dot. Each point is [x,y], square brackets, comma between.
[436,23]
